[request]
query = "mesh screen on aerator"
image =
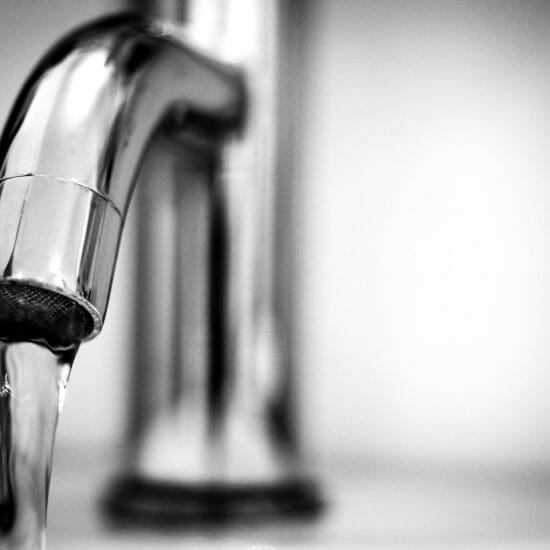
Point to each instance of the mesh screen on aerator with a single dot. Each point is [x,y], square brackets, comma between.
[30,313]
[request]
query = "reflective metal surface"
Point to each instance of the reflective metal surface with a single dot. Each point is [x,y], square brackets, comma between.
[121,101]
[212,407]
[75,141]
[212,416]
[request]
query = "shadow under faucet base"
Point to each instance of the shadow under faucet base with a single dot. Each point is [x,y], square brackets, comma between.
[132,501]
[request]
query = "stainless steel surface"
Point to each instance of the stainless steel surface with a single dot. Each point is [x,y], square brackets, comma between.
[125,100]
[76,139]
[211,398]
[374,507]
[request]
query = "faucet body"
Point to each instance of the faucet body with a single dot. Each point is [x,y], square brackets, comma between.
[74,143]
[119,101]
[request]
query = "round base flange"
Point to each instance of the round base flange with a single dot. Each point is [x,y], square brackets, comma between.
[134,501]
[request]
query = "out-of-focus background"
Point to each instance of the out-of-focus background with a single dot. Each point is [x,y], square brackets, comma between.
[423,208]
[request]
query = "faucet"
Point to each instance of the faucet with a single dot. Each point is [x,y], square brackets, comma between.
[71,150]
[115,102]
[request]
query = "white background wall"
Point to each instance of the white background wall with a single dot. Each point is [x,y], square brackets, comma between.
[424,199]
[426,230]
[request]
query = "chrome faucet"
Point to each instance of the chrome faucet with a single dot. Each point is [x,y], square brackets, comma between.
[71,151]
[122,100]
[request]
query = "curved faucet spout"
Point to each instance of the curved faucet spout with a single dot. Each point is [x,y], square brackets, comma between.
[73,146]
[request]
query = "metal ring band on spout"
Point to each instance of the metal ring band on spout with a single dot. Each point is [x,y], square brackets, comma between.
[59,236]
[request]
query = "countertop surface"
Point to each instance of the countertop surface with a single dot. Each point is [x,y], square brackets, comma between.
[366,508]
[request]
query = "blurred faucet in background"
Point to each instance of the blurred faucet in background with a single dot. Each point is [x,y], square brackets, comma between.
[131,98]
[212,427]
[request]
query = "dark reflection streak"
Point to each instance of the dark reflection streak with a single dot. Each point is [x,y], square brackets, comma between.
[218,372]
[7,497]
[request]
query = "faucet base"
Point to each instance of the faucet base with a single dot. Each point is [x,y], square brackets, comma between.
[133,502]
